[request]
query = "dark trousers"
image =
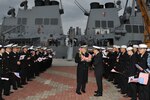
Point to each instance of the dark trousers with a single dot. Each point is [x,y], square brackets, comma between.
[28,73]
[81,86]
[99,77]
[13,80]
[133,91]
[144,91]
[18,80]
[123,84]
[0,88]
[6,87]
[23,74]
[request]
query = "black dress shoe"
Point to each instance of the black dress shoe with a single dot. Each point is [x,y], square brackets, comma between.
[2,98]
[7,94]
[29,80]
[95,92]
[123,92]
[126,96]
[79,93]
[24,83]
[83,91]
[97,95]
[15,88]
[20,86]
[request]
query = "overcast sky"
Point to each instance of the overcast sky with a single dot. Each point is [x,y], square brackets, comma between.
[73,15]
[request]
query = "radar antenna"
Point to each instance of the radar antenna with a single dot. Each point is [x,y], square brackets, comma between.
[11,12]
[24,4]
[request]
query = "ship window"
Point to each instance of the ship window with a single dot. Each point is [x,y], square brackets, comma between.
[135,29]
[128,28]
[104,25]
[46,21]
[38,21]
[54,21]
[141,29]
[110,24]
[19,21]
[97,24]
[24,21]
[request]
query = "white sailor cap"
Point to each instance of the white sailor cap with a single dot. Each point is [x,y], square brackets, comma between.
[129,48]
[25,46]
[117,47]
[44,48]
[148,49]
[114,46]
[84,46]
[15,45]
[102,48]
[38,47]
[124,46]
[109,48]
[48,49]
[31,48]
[8,46]
[19,46]
[142,46]
[1,46]
[96,47]
[135,46]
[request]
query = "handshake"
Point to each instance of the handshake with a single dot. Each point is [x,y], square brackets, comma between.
[87,59]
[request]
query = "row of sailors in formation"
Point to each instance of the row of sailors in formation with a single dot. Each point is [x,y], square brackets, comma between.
[124,66]
[21,64]
[123,63]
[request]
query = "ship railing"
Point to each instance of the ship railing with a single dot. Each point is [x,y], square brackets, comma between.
[11,29]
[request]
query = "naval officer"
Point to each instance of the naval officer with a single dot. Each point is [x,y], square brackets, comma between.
[1,68]
[132,71]
[7,69]
[98,69]
[82,58]
[15,66]
[144,90]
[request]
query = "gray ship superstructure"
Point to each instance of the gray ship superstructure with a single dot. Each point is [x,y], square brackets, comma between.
[39,25]
[42,25]
[105,27]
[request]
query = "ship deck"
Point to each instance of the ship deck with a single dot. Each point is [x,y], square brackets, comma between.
[59,83]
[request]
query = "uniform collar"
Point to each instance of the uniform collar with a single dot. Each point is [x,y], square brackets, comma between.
[7,52]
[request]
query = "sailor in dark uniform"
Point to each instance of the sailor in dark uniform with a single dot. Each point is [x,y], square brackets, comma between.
[98,69]
[115,59]
[144,90]
[24,57]
[15,67]
[32,62]
[41,55]
[123,59]
[50,55]
[37,64]
[132,71]
[109,63]
[7,69]
[1,69]
[82,58]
